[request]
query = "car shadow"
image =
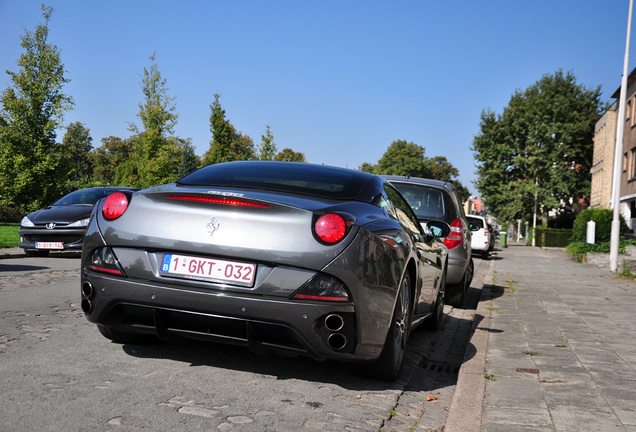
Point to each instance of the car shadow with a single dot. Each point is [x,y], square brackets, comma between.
[421,370]
[20,268]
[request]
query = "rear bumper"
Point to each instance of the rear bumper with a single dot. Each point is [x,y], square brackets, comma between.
[261,324]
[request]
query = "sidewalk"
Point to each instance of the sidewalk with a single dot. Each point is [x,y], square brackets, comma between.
[553,348]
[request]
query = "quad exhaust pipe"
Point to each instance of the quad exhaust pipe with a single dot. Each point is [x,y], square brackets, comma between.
[334,322]
[89,292]
[337,341]
[87,289]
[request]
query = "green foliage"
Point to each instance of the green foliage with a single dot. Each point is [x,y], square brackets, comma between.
[189,160]
[578,250]
[603,219]
[227,145]
[9,237]
[268,147]
[10,214]
[108,158]
[150,157]
[32,108]
[551,237]
[288,155]
[403,159]
[77,146]
[367,167]
[408,159]
[541,144]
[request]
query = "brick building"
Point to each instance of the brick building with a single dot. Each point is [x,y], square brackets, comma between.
[603,162]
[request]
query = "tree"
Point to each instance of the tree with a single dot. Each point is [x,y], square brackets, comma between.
[288,155]
[268,148]
[541,145]
[77,145]
[32,110]
[367,167]
[408,159]
[189,160]
[227,145]
[158,152]
[113,153]
[402,158]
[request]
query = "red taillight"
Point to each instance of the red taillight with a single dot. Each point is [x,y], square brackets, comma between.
[218,200]
[456,236]
[115,205]
[331,228]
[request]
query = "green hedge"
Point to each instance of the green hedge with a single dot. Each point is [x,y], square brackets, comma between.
[603,219]
[552,237]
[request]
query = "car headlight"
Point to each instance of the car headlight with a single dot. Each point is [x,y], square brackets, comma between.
[26,222]
[79,223]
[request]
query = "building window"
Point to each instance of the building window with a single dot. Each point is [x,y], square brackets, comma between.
[628,111]
[632,164]
[625,162]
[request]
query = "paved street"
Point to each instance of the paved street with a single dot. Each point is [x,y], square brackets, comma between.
[57,373]
[554,349]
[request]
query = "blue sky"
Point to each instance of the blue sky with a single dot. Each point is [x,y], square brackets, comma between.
[336,80]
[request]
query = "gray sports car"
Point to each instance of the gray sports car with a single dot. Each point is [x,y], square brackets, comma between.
[289,258]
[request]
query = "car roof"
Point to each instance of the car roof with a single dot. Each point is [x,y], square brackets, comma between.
[427,182]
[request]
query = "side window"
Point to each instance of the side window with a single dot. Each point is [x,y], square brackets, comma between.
[403,211]
[384,203]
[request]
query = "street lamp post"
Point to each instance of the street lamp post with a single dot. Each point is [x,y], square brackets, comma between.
[616,190]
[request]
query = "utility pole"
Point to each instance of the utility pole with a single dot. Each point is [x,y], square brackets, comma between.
[618,155]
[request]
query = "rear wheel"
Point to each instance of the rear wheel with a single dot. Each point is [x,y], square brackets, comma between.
[389,365]
[455,293]
[119,336]
[436,320]
[484,254]
[36,253]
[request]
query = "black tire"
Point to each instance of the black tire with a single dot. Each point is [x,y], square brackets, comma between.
[122,337]
[389,365]
[36,253]
[455,293]
[484,254]
[435,321]
[470,271]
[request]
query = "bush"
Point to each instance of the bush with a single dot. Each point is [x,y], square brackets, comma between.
[579,250]
[10,214]
[549,237]
[603,219]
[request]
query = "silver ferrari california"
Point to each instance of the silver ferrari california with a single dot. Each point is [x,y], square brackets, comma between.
[280,257]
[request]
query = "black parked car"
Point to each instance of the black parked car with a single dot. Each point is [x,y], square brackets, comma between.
[61,225]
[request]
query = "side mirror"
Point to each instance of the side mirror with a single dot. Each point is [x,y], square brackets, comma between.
[436,229]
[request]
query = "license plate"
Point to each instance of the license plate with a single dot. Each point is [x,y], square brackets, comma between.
[49,245]
[208,269]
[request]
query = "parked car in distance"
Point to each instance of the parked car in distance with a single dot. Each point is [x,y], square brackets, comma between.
[279,257]
[481,235]
[61,225]
[434,200]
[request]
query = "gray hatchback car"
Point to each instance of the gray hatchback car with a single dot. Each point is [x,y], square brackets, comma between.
[439,201]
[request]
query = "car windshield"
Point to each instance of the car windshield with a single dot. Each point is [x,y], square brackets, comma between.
[307,179]
[83,197]
[427,202]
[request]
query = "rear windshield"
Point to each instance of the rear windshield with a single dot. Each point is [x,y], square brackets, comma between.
[84,197]
[301,178]
[427,202]
[475,223]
